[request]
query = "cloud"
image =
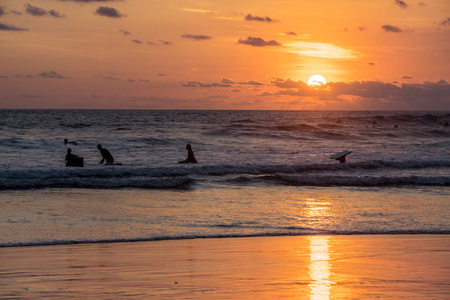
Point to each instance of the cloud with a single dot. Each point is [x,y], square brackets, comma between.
[30,96]
[15,12]
[110,78]
[406,77]
[39,12]
[11,27]
[390,28]
[371,63]
[251,82]
[162,74]
[196,37]
[51,74]
[401,3]
[249,17]
[165,42]
[125,32]
[414,95]
[445,22]
[150,43]
[207,85]
[108,12]
[137,41]
[291,33]
[2,11]
[258,42]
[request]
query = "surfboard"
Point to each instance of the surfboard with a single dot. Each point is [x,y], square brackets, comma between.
[340,154]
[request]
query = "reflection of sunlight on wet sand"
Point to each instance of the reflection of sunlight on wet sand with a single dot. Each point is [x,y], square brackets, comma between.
[319,268]
[319,264]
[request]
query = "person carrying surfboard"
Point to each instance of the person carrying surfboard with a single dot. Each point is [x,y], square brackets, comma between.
[105,155]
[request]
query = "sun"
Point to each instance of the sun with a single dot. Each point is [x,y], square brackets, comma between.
[316,81]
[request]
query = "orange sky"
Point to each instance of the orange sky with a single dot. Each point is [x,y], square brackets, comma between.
[214,54]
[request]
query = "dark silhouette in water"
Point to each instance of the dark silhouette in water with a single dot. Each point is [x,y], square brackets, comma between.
[190,158]
[72,142]
[105,155]
[73,160]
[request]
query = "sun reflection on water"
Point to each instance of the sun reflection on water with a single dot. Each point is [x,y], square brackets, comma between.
[319,268]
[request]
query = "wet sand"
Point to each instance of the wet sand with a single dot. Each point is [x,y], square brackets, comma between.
[300,267]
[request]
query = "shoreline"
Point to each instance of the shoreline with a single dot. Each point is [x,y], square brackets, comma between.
[270,267]
[220,237]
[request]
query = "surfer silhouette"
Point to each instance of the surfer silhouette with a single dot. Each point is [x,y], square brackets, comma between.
[72,142]
[105,155]
[190,158]
[73,160]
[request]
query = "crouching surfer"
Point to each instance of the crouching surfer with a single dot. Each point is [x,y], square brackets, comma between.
[73,160]
[190,158]
[106,156]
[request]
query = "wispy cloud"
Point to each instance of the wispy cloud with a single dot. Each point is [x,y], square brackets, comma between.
[125,32]
[258,42]
[390,28]
[137,41]
[198,37]
[445,22]
[401,3]
[39,12]
[11,27]
[165,42]
[249,17]
[51,74]
[109,12]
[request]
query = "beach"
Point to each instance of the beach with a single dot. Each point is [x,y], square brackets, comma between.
[286,267]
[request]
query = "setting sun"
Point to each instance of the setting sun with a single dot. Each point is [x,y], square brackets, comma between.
[316,80]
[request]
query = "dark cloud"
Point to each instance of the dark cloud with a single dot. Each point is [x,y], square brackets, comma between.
[197,37]
[11,27]
[131,80]
[39,12]
[371,63]
[150,43]
[291,33]
[361,28]
[390,28]
[55,14]
[2,11]
[125,32]
[165,42]
[3,76]
[422,4]
[401,3]
[110,78]
[109,12]
[137,41]
[445,22]
[51,74]
[249,17]
[258,42]
[406,77]
[162,74]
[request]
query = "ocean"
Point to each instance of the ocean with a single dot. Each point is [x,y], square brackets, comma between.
[259,173]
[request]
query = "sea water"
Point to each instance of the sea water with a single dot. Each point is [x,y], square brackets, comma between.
[258,173]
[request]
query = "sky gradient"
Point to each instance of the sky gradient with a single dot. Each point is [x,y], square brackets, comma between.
[214,54]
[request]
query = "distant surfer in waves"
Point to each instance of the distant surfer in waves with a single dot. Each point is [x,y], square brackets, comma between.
[190,158]
[105,155]
[67,142]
